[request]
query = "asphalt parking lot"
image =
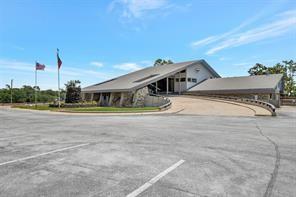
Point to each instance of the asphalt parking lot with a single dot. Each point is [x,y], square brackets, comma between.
[49,154]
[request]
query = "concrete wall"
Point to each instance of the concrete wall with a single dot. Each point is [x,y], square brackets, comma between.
[154,101]
[199,72]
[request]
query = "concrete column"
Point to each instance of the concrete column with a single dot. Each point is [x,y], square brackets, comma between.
[156,87]
[91,97]
[82,96]
[110,99]
[167,85]
[121,99]
[100,99]
[179,82]
[256,97]
[278,100]
[135,98]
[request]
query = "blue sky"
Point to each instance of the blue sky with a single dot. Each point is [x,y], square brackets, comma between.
[100,39]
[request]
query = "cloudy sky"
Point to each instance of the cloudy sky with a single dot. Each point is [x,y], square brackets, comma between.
[100,39]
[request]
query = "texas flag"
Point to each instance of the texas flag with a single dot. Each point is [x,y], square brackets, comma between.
[39,66]
[59,60]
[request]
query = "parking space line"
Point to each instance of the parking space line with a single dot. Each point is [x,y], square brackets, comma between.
[42,154]
[154,179]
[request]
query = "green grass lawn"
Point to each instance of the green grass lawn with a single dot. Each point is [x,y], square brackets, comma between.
[38,107]
[111,109]
[89,109]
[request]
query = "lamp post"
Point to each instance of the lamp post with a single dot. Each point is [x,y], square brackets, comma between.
[11,84]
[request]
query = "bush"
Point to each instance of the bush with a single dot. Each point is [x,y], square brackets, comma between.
[73,105]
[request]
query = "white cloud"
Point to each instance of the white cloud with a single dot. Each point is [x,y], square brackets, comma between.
[281,24]
[212,39]
[204,41]
[138,8]
[50,69]
[129,66]
[19,48]
[97,64]
[16,65]
[273,29]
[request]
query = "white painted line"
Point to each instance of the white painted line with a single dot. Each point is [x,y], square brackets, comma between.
[154,180]
[42,154]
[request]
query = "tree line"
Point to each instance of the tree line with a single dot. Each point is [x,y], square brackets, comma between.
[26,94]
[287,68]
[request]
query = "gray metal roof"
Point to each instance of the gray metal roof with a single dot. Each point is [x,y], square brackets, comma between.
[141,78]
[247,84]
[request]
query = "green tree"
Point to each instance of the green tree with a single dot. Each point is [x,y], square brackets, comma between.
[277,69]
[290,85]
[26,94]
[73,91]
[160,62]
[291,68]
[287,68]
[258,69]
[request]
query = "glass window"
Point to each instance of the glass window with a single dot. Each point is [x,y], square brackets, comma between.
[183,79]
[189,79]
[177,79]
[193,80]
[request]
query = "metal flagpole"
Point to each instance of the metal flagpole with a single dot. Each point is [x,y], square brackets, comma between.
[59,87]
[59,93]
[35,86]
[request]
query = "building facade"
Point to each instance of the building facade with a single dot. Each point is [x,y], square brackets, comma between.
[195,77]
[132,89]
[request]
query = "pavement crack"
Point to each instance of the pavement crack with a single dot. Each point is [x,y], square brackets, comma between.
[177,112]
[274,174]
[186,191]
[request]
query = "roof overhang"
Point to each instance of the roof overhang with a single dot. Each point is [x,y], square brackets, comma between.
[157,78]
[237,91]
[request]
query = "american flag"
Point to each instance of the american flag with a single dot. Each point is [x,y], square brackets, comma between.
[40,66]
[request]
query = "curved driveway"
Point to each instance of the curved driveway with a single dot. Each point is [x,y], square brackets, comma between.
[202,106]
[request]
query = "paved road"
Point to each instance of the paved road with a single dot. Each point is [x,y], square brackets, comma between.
[45,154]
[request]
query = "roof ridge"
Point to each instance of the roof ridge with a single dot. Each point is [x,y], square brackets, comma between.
[265,75]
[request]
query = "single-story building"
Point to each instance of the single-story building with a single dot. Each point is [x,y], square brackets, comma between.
[259,87]
[196,77]
[132,89]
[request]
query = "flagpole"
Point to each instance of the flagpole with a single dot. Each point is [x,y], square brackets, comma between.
[35,86]
[59,88]
[59,62]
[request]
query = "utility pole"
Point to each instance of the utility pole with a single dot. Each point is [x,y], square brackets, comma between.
[35,87]
[11,86]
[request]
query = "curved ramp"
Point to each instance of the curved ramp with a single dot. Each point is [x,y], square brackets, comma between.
[194,105]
